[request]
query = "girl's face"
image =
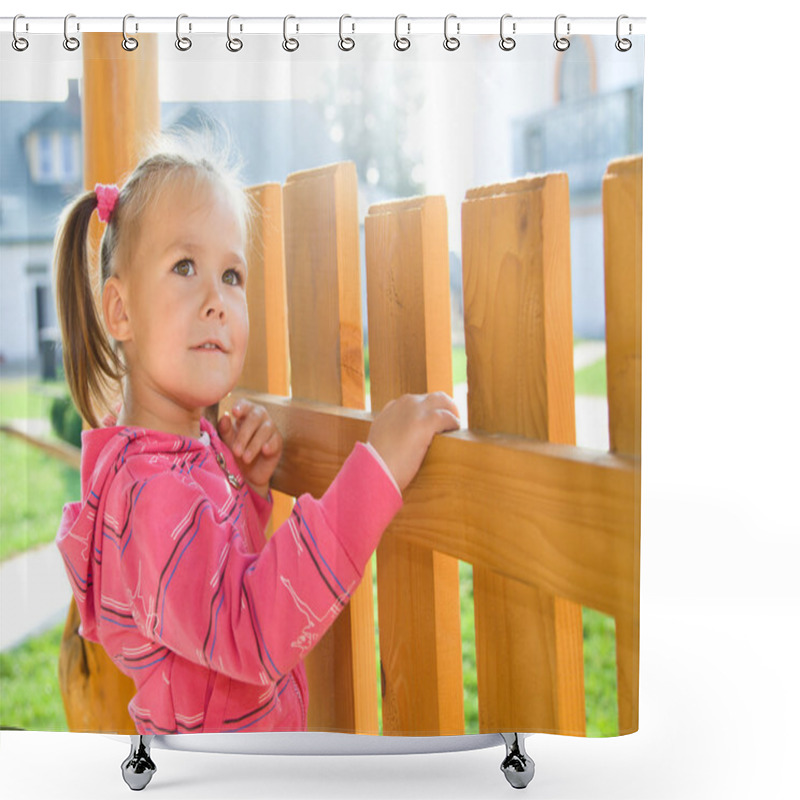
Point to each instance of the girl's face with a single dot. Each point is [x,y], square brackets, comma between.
[182,310]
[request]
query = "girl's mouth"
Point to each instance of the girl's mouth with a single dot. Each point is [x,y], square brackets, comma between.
[210,347]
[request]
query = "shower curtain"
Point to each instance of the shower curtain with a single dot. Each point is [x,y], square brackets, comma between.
[456,210]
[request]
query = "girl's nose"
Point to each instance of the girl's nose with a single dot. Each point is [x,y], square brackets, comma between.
[214,305]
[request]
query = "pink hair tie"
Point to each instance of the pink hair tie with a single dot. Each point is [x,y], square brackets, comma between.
[107,196]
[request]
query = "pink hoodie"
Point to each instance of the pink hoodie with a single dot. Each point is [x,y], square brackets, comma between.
[169,568]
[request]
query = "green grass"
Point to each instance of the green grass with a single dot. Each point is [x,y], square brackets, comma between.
[468,658]
[591,380]
[30,697]
[600,673]
[459,365]
[33,486]
[27,398]
[33,490]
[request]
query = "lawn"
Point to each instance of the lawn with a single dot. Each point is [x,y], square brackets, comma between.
[26,398]
[591,380]
[30,697]
[29,516]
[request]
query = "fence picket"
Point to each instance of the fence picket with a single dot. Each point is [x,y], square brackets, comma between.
[622,226]
[327,365]
[518,325]
[410,351]
[266,367]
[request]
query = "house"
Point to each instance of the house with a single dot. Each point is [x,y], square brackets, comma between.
[40,168]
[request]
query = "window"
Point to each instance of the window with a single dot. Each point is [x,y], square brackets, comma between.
[54,156]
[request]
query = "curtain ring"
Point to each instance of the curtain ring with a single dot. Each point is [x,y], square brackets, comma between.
[234,45]
[128,42]
[401,42]
[18,42]
[561,43]
[623,45]
[451,42]
[183,43]
[507,42]
[70,42]
[345,42]
[289,45]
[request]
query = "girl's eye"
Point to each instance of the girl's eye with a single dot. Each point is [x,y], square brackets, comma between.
[184,268]
[232,277]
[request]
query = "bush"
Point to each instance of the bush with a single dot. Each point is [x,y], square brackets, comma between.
[67,422]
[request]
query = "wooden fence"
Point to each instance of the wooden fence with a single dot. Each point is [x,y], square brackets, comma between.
[547,526]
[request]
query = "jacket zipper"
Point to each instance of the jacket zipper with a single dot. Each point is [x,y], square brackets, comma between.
[232,479]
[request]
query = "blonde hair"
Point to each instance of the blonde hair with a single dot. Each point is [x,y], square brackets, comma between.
[92,363]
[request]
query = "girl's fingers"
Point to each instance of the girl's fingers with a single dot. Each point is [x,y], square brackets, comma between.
[444,412]
[272,445]
[257,442]
[225,427]
[254,430]
[264,442]
[443,400]
[448,421]
[250,418]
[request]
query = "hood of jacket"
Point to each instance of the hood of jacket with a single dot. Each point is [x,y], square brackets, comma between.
[80,534]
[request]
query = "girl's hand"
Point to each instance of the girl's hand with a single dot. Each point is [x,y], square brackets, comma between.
[403,431]
[255,442]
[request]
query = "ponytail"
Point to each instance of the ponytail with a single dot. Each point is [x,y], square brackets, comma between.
[90,361]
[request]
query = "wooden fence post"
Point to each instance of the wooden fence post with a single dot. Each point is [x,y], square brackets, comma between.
[408,292]
[327,365]
[266,367]
[622,227]
[518,324]
[120,108]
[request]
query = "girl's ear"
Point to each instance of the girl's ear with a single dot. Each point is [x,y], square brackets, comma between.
[115,311]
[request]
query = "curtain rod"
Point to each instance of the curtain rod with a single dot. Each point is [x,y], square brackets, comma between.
[347,25]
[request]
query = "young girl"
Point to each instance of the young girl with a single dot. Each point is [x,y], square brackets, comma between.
[166,552]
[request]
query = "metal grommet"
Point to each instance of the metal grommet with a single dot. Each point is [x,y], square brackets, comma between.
[561,43]
[506,42]
[70,42]
[128,42]
[18,42]
[289,44]
[345,42]
[451,42]
[183,43]
[234,45]
[623,45]
[401,43]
